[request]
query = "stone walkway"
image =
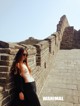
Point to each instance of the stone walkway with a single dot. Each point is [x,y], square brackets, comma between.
[63,80]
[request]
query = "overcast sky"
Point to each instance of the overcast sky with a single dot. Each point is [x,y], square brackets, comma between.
[21,19]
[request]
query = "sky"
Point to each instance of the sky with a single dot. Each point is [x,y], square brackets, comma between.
[21,19]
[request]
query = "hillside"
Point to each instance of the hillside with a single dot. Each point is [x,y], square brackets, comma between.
[30,41]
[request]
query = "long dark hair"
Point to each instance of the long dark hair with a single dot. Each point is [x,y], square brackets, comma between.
[19,55]
[16,60]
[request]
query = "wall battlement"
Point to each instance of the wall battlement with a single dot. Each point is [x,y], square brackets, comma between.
[41,59]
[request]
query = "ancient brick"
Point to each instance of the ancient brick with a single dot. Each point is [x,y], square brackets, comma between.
[3,74]
[4,57]
[4,63]
[5,50]
[6,100]
[4,44]
[4,68]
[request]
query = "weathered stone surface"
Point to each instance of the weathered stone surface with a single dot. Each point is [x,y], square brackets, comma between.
[4,57]
[51,39]
[68,38]
[63,23]
[63,80]
[4,68]
[1,88]
[5,50]
[4,44]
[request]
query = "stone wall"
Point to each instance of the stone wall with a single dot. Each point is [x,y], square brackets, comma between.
[41,60]
[76,39]
[70,39]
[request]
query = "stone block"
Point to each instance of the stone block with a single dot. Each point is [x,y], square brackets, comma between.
[4,68]
[5,50]
[4,44]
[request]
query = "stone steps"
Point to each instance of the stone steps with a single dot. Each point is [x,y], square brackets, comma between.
[63,80]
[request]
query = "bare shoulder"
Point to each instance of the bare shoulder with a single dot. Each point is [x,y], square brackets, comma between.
[18,65]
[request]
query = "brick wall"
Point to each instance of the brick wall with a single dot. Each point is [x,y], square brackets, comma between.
[76,39]
[70,39]
[41,59]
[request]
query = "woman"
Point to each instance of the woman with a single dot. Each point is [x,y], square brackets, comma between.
[24,82]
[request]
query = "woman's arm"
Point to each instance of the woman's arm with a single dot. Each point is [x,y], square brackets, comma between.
[26,62]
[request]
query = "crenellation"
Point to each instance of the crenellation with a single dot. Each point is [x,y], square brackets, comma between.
[38,55]
[51,40]
[44,45]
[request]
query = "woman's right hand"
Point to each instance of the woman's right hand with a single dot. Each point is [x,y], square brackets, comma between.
[21,96]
